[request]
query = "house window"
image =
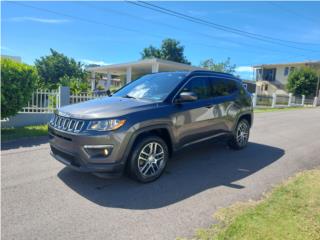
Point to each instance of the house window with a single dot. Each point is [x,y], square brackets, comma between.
[286,71]
[292,69]
[266,87]
[269,74]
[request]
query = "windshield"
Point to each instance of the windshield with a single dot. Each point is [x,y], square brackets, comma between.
[154,87]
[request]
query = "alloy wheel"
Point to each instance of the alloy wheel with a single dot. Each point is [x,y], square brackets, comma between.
[242,133]
[151,159]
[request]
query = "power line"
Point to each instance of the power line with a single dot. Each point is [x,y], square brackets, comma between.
[95,22]
[217,26]
[83,19]
[108,10]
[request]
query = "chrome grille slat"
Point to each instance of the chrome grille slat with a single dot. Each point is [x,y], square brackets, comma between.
[67,124]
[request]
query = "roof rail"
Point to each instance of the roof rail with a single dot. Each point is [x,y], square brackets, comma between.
[213,72]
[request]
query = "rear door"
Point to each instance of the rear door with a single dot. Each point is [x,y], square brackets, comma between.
[224,93]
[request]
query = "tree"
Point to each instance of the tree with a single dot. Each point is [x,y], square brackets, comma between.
[18,81]
[303,81]
[53,67]
[170,49]
[76,85]
[151,52]
[224,66]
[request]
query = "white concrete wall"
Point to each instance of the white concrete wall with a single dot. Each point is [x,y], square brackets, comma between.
[26,119]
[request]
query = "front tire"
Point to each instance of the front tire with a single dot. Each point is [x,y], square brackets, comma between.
[240,136]
[148,159]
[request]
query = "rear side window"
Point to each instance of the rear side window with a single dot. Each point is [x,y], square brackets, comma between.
[200,86]
[222,87]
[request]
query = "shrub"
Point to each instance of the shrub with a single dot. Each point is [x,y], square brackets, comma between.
[18,81]
[303,82]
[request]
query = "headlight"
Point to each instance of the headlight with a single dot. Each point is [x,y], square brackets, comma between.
[106,125]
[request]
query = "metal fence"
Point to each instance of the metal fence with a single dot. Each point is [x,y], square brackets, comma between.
[46,101]
[42,101]
[76,98]
[283,101]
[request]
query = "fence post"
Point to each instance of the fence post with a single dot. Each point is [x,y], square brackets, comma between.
[64,96]
[254,100]
[315,102]
[274,100]
[290,99]
[303,100]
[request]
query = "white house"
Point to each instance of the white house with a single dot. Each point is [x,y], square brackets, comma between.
[272,78]
[127,72]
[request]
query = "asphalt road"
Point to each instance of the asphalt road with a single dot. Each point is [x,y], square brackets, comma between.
[43,200]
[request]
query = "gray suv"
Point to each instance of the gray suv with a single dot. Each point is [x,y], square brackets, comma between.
[141,125]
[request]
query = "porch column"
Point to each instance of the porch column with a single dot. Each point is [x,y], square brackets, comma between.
[129,73]
[108,81]
[155,67]
[93,77]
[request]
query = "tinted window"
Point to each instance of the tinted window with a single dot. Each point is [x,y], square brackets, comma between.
[222,87]
[152,87]
[198,85]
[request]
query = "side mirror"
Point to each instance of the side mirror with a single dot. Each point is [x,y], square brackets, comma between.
[187,97]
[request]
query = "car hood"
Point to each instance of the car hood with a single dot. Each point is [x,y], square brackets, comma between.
[106,107]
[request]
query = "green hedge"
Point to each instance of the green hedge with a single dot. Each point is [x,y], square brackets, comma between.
[18,81]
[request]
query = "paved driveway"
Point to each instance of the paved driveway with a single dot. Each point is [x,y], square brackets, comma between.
[43,200]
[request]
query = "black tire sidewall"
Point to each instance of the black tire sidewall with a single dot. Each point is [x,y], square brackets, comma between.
[133,164]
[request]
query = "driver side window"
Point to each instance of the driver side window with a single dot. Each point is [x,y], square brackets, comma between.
[198,85]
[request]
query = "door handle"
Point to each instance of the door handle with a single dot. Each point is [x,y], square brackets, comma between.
[209,106]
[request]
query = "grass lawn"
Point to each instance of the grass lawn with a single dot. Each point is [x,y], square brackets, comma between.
[21,132]
[260,110]
[290,211]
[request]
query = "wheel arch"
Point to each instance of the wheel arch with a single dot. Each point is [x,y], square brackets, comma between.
[162,131]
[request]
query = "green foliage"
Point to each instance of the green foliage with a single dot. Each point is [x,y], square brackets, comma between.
[170,49]
[8,134]
[18,81]
[224,66]
[76,85]
[303,81]
[53,67]
[100,88]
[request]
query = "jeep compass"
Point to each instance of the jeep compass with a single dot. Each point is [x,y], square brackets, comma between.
[141,125]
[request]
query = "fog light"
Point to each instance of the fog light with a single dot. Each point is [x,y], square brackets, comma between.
[106,152]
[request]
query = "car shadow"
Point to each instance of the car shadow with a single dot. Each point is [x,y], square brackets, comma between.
[189,172]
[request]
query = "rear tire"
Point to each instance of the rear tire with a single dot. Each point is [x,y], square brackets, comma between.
[240,137]
[148,159]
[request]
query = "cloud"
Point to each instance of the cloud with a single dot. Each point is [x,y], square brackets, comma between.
[87,61]
[244,69]
[39,20]
[245,72]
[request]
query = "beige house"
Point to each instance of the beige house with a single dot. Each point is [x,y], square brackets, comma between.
[126,72]
[272,78]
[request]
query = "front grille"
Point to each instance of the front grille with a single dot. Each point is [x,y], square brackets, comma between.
[67,124]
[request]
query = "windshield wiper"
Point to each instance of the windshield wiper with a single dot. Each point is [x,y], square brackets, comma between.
[128,96]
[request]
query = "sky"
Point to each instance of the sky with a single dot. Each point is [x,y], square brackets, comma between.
[116,32]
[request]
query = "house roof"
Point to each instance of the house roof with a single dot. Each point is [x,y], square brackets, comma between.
[142,66]
[286,64]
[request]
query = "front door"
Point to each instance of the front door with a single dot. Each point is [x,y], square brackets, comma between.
[194,120]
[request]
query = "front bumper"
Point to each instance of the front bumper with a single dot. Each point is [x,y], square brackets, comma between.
[72,150]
